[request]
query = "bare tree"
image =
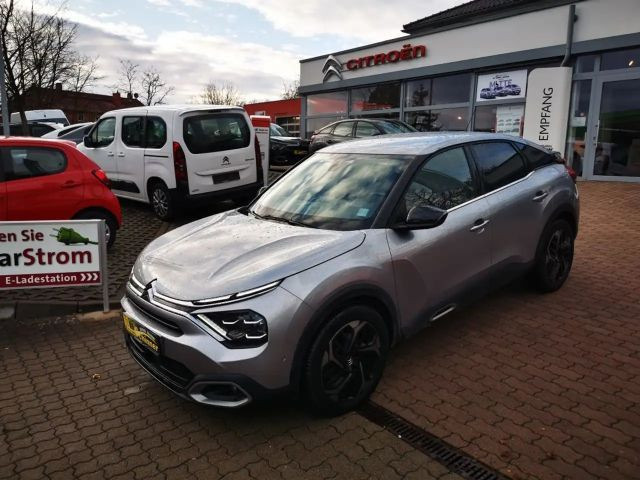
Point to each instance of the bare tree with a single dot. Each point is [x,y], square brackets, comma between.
[37,51]
[154,89]
[83,74]
[221,94]
[128,76]
[290,90]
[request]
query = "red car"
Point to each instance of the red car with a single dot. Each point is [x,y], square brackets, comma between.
[51,180]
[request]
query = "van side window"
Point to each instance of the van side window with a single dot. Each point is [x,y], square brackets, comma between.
[156,135]
[28,162]
[499,164]
[536,157]
[104,132]
[132,129]
[216,132]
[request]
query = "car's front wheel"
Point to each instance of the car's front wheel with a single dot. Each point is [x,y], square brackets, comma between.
[554,256]
[346,360]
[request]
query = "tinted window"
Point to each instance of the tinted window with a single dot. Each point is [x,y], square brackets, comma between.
[620,59]
[343,129]
[444,181]
[27,162]
[105,132]
[499,164]
[378,97]
[451,89]
[216,132]
[39,129]
[366,129]
[536,157]
[132,129]
[156,132]
[418,93]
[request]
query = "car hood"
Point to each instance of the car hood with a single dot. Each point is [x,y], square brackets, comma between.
[231,252]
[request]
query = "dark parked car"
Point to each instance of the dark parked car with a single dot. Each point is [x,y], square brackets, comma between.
[284,149]
[74,133]
[344,130]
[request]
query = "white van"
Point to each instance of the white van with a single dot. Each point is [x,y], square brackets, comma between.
[44,116]
[167,155]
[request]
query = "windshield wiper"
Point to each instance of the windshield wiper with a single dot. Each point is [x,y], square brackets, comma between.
[288,221]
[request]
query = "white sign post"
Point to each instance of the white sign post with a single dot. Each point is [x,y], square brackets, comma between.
[547,109]
[45,254]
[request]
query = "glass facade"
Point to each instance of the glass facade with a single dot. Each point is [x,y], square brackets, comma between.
[577,131]
[446,119]
[327,103]
[378,97]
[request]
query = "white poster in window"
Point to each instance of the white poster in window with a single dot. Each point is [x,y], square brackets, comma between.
[509,119]
[501,86]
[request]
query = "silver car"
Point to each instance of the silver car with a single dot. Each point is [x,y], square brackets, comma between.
[359,246]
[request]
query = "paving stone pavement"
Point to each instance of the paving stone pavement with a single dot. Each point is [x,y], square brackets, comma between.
[537,386]
[541,386]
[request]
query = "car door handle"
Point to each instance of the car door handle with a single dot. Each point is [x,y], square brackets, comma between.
[70,184]
[121,154]
[109,154]
[479,225]
[540,195]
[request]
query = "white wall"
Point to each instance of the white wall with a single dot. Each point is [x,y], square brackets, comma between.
[544,28]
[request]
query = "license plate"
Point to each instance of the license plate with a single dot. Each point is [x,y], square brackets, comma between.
[141,334]
[299,152]
[226,177]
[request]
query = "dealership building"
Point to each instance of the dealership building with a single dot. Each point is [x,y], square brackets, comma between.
[565,74]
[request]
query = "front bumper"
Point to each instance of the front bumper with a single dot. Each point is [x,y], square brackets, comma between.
[196,366]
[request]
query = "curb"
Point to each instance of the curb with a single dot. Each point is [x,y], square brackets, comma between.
[26,309]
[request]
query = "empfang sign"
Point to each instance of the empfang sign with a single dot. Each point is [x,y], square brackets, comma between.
[407,52]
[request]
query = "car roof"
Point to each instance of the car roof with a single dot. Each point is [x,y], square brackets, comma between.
[418,143]
[35,141]
[179,109]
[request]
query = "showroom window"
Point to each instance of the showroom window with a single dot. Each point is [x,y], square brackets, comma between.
[290,124]
[376,97]
[499,119]
[327,103]
[447,119]
[620,59]
[451,89]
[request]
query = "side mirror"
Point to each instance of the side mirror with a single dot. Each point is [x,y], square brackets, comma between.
[88,142]
[424,217]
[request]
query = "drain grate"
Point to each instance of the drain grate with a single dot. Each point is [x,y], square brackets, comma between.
[448,455]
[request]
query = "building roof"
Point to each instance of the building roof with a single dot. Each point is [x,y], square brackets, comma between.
[476,11]
[419,143]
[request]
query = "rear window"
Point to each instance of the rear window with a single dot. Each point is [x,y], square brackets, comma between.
[28,162]
[216,132]
[536,158]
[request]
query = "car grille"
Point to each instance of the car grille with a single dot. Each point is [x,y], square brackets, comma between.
[143,306]
[169,372]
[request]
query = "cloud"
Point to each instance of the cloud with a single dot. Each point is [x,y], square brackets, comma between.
[374,20]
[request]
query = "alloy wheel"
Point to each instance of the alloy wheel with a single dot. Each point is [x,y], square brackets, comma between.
[559,255]
[160,202]
[351,360]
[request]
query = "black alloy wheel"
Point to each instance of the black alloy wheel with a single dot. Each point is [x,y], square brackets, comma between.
[555,256]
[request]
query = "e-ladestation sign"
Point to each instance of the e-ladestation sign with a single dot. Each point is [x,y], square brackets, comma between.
[53,254]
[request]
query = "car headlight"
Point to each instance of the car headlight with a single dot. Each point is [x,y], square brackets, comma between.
[240,329]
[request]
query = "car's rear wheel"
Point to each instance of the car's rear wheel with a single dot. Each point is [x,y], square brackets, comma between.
[162,201]
[346,360]
[111,227]
[554,256]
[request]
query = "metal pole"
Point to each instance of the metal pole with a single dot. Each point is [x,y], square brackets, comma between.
[572,20]
[104,271]
[3,96]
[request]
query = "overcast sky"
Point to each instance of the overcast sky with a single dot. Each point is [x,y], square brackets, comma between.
[254,44]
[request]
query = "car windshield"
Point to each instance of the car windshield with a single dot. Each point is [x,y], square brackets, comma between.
[277,131]
[335,191]
[396,127]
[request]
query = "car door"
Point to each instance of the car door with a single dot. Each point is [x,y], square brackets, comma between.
[102,149]
[42,183]
[435,269]
[517,198]
[341,133]
[129,148]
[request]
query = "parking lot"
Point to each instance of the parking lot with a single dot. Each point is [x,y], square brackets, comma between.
[534,387]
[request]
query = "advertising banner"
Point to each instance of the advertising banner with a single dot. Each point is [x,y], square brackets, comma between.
[509,119]
[502,86]
[547,111]
[52,254]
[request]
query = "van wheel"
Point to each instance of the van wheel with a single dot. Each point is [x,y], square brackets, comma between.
[162,201]
[554,256]
[110,225]
[346,361]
